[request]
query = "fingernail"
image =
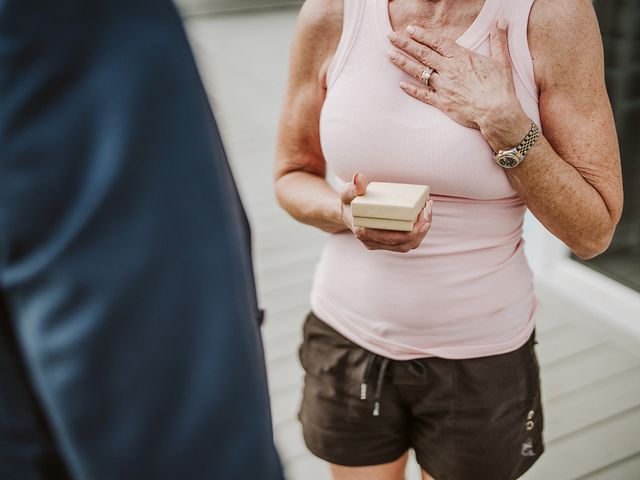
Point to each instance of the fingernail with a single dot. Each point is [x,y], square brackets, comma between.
[502,22]
[411,29]
[428,210]
[355,179]
[393,36]
[404,85]
[392,55]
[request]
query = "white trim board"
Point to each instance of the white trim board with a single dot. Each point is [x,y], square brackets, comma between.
[606,299]
[543,249]
[610,302]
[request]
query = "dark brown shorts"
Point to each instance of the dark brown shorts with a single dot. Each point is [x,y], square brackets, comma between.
[470,419]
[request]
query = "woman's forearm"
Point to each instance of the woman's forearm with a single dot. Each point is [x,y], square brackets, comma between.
[555,192]
[309,199]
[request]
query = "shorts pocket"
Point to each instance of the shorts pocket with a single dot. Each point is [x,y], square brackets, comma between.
[324,353]
[333,368]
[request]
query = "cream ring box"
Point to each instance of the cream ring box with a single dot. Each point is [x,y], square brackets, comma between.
[389,206]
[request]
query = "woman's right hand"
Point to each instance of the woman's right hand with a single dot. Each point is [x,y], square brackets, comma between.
[375,239]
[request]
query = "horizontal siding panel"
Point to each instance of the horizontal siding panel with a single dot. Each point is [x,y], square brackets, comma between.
[591,448]
[625,469]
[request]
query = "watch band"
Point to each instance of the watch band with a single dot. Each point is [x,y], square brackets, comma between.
[529,140]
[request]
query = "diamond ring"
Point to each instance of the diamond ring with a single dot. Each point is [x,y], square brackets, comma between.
[426,75]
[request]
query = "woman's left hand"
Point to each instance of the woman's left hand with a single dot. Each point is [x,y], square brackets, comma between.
[465,85]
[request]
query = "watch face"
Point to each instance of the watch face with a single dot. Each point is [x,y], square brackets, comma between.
[509,160]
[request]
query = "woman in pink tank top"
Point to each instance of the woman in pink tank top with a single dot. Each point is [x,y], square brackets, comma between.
[425,339]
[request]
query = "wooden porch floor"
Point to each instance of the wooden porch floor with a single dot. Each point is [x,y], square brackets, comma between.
[590,372]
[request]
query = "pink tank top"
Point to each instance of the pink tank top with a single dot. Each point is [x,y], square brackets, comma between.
[467,291]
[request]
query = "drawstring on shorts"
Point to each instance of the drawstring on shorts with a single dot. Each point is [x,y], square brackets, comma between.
[414,366]
[368,371]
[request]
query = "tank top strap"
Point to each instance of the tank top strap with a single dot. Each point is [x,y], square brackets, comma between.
[517,13]
[484,23]
[353,12]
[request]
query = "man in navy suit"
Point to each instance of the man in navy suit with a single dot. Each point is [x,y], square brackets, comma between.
[129,337]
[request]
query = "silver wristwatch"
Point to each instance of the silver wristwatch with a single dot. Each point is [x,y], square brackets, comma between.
[514,156]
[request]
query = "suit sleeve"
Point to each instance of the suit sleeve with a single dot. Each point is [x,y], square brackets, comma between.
[125,251]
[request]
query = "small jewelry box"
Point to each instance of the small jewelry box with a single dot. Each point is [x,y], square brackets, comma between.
[389,206]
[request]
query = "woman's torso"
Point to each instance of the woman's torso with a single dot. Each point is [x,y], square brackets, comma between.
[467,290]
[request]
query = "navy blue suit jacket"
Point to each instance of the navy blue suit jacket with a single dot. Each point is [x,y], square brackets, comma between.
[129,338]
